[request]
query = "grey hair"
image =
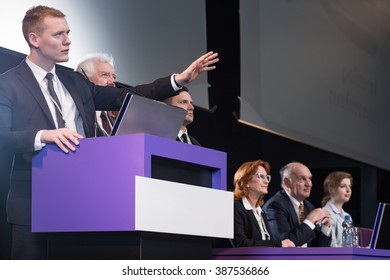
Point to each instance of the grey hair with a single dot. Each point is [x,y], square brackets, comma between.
[285,171]
[87,65]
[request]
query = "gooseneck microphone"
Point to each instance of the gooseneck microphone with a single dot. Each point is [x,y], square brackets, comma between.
[121,85]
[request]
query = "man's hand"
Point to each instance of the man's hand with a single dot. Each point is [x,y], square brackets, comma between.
[318,216]
[202,64]
[64,138]
[287,243]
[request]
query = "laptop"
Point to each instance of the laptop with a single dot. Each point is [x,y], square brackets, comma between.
[143,115]
[381,231]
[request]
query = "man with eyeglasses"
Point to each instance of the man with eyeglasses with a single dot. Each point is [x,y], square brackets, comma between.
[42,104]
[99,69]
[292,216]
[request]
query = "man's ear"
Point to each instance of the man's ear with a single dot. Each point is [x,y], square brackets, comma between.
[286,182]
[33,39]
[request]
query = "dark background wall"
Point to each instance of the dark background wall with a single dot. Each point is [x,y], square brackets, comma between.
[222,129]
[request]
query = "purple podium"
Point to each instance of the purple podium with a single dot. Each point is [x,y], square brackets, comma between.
[131,197]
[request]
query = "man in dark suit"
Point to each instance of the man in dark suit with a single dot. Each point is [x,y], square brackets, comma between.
[41,103]
[99,69]
[184,100]
[303,225]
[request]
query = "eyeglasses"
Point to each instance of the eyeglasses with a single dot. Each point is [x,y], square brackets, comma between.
[264,177]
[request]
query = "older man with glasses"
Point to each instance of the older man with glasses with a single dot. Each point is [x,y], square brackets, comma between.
[292,216]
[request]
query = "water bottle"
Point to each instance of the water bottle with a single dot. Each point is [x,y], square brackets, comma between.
[348,232]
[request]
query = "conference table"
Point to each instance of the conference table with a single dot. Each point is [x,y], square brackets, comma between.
[312,253]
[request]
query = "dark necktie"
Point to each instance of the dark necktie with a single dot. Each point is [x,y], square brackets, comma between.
[184,138]
[105,122]
[57,104]
[301,212]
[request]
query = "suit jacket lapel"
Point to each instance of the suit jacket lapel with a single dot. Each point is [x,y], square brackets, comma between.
[264,216]
[254,220]
[73,90]
[194,141]
[306,208]
[291,208]
[27,78]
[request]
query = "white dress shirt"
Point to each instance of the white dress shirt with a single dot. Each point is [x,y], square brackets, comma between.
[257,212]
[181,134]
[69,111]
[336,218]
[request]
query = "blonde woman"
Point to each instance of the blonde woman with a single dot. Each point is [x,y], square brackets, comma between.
[338,190]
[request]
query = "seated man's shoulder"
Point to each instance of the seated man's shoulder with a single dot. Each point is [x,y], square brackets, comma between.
[277,203]
[276,197]
[272,201]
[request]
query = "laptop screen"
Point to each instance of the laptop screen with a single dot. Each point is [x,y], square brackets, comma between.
[143,115]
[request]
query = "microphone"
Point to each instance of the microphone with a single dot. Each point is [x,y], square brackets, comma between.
[117,84]
[85,74]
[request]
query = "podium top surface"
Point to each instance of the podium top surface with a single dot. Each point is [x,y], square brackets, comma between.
[131,150]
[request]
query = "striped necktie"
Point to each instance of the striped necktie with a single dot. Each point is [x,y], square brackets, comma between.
[105,122]
[56,101]
[301,212]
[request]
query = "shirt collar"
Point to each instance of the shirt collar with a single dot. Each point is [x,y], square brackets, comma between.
[335,210]
[39,73]
[295,202]
[182,132]
[248,206]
